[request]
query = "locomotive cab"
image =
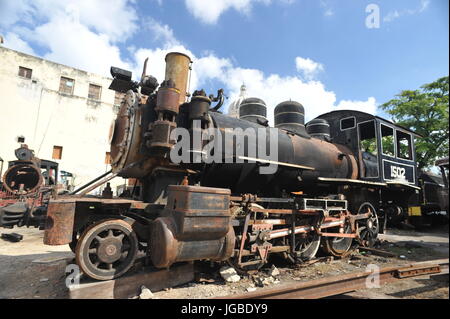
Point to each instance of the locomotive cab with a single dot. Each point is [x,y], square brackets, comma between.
[385,150]
[386,160]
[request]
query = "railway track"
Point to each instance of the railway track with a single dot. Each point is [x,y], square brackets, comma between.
[337,285]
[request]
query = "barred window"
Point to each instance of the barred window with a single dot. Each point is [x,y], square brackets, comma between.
[25,72]
[94,92]
[66,85]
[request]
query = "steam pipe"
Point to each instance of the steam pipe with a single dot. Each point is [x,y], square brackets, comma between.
[90,183]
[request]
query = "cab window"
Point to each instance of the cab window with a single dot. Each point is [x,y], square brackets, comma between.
[404,145]
[387,140]
[368,148]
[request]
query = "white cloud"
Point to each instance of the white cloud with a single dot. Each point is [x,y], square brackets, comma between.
[162,32]
[72,43]
[307,67]
[273,88]
[424,5]
[209,11]
[369,106]
[328,11]
[72,38]
[115,18]
[13,41]
[395,14]
[13,11]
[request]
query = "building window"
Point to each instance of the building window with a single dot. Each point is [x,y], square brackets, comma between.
[94,92]
[66,85]
[25,72]
[57,152]
[108,158]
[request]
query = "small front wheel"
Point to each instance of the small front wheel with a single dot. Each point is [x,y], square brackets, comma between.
[107,249]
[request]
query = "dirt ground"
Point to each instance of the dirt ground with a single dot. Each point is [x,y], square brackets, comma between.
[30,269]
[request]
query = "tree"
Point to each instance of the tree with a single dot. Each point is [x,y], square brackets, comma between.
[425,112]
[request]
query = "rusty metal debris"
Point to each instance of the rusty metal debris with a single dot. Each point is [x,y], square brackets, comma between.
[336,285]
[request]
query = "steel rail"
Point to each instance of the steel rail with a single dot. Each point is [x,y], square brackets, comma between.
[336,285]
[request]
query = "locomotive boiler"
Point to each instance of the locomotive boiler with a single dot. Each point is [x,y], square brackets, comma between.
[232,190]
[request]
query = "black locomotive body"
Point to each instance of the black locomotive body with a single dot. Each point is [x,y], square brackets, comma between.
[332,181]
[433,197]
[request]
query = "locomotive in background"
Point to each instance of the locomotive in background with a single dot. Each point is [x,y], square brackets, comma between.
[338,179]
[26,187]
[433,197]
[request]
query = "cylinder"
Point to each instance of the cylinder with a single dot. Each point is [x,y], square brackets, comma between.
[254,110]
[166,249]
[178,66]
[290,116]
[319,128]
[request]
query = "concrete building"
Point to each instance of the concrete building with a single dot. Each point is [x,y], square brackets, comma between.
[64,114]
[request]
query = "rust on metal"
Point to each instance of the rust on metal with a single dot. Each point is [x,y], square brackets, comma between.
[23,178]
[178,67]
[328,156]
[377,251]
[130,285]
[59,223]
[167,99]
[418,270]
[336,285]
[196,225]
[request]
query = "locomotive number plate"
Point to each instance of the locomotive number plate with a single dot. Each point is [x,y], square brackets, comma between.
[398,171]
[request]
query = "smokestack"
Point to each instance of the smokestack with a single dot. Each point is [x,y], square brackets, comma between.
[178,66]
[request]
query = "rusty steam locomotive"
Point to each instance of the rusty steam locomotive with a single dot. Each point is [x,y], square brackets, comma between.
[336,180]
[27,186]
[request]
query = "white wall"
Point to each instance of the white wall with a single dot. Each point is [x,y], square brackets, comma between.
[35,109]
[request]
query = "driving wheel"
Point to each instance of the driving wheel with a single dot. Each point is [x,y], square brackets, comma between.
[337,246]
[368,228]
[306,247]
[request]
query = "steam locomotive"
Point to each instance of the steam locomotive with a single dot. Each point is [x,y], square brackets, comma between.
[28,184]
[327,183]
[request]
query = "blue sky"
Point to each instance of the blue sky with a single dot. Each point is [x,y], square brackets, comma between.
[320,53]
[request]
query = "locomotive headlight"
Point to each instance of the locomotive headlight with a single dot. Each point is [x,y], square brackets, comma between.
[121,74]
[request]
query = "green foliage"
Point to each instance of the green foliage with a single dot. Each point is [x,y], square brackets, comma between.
[369,145]
[388,145]
[424,111]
